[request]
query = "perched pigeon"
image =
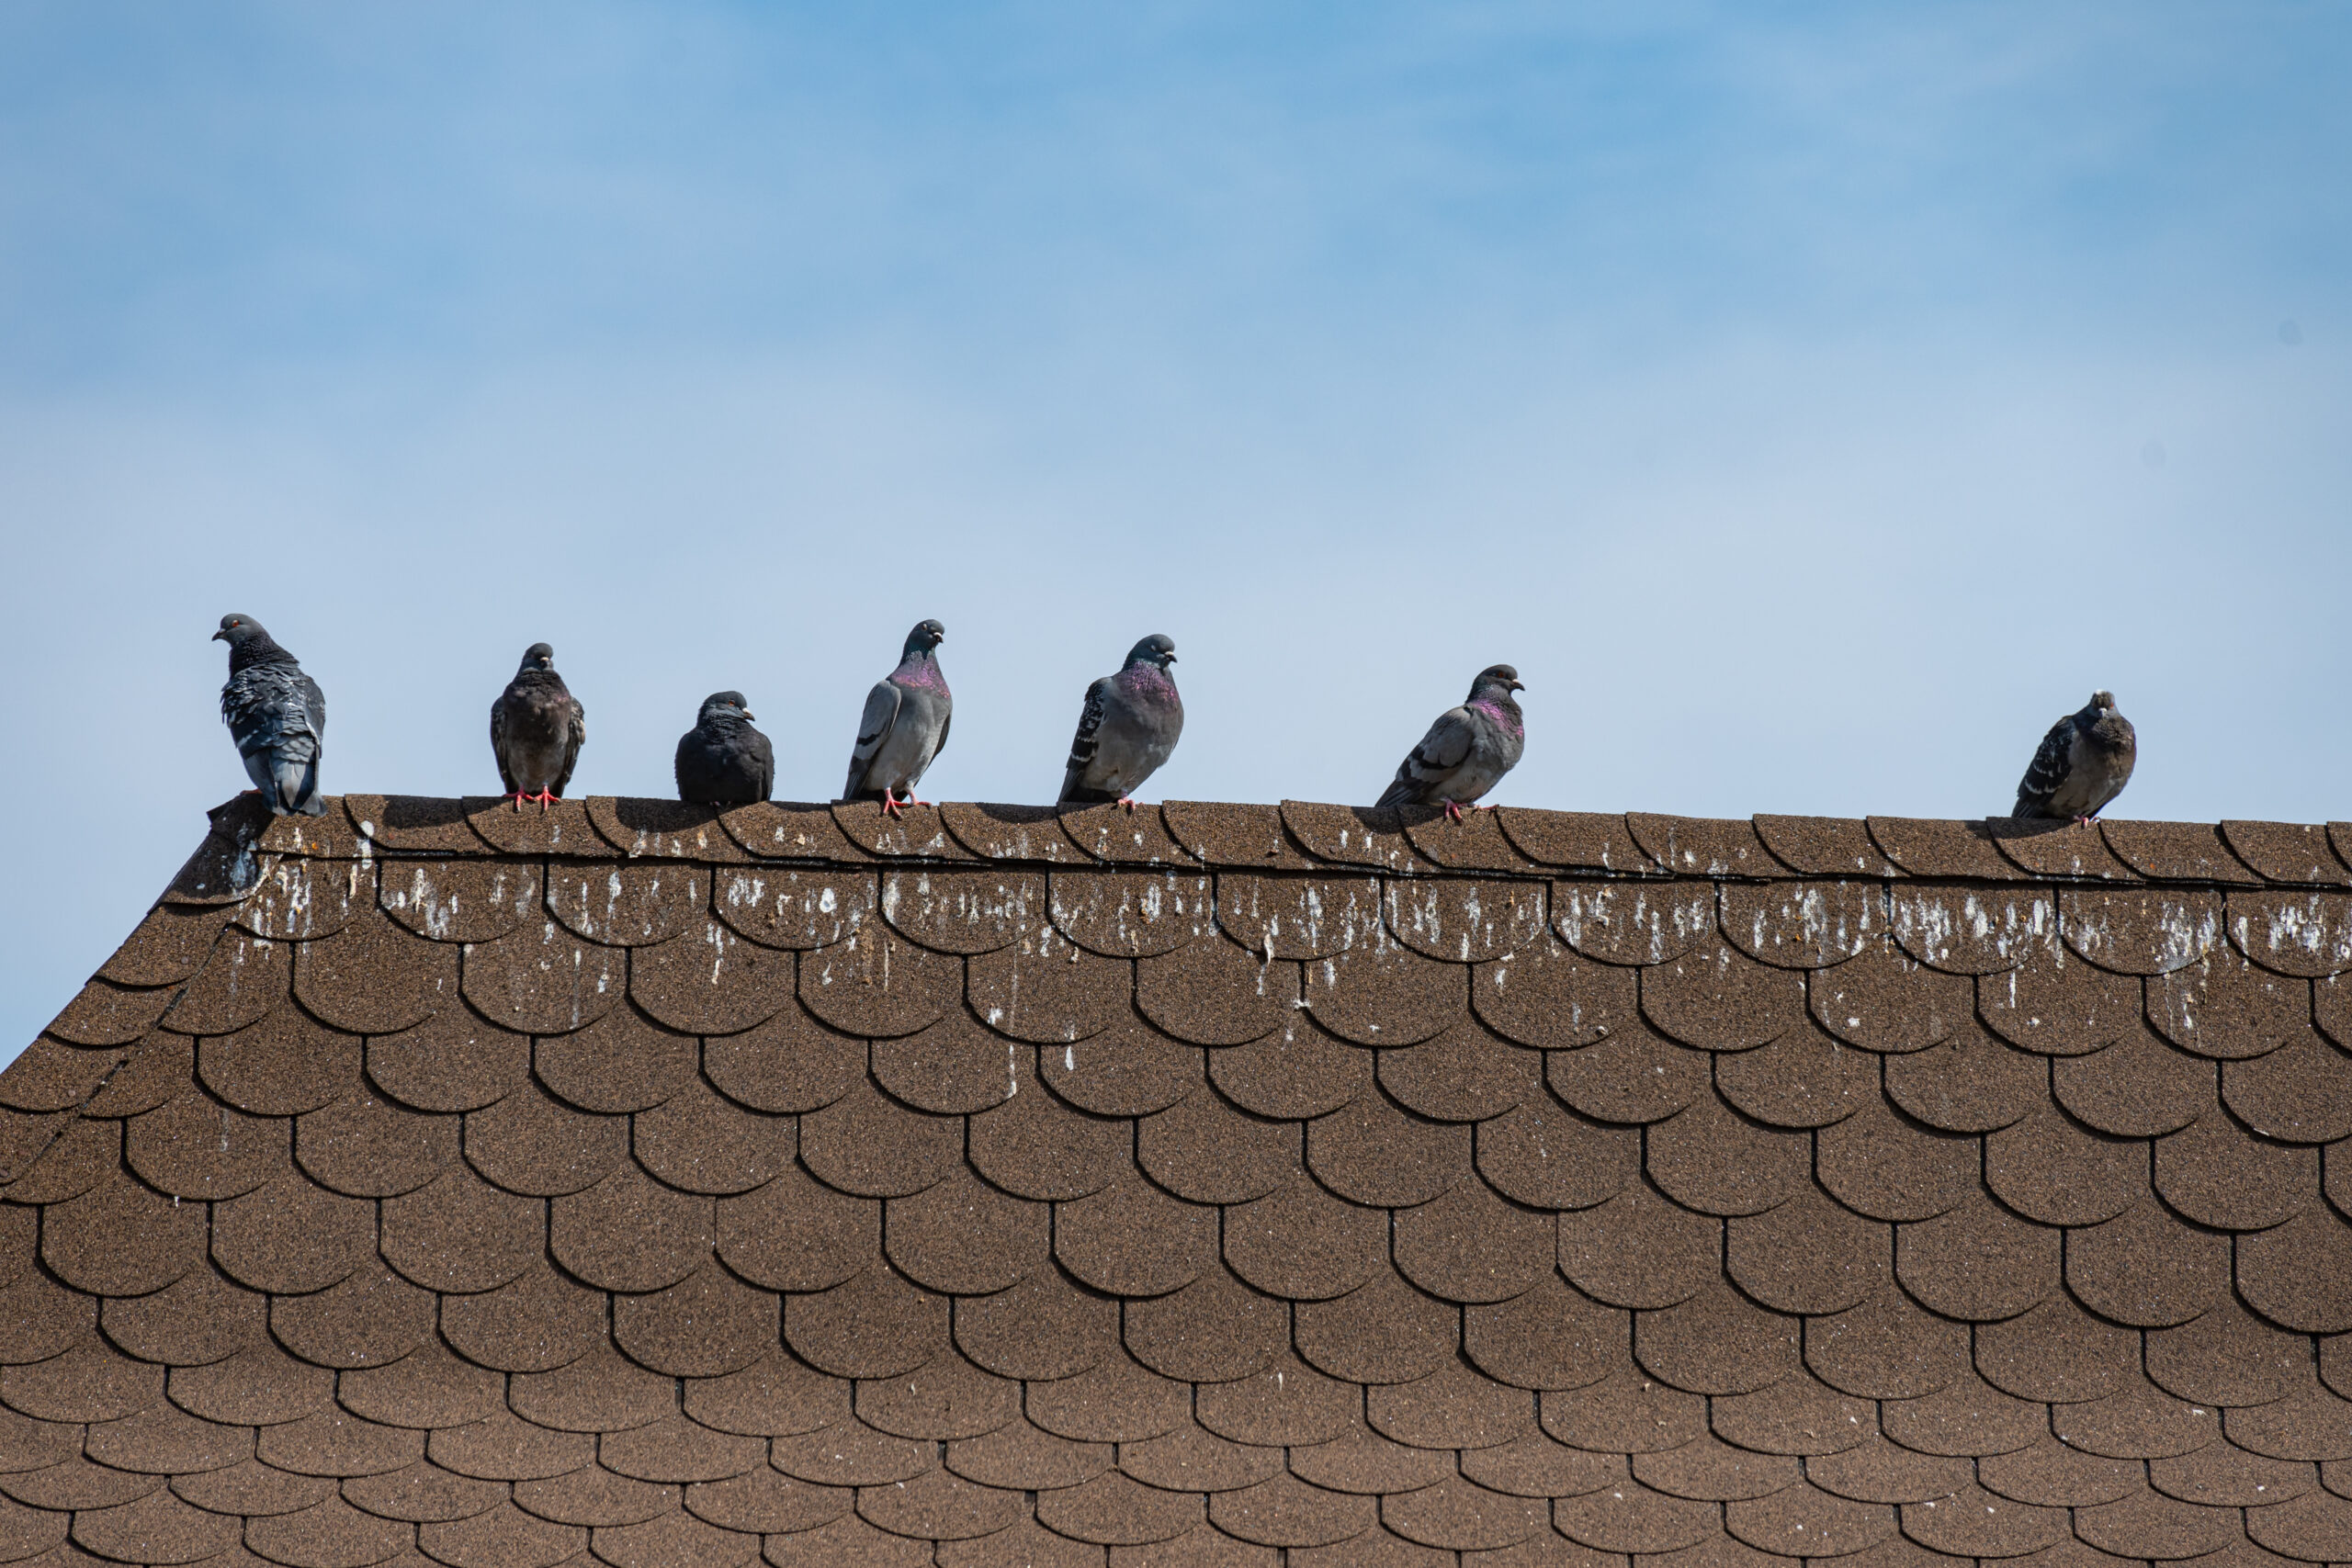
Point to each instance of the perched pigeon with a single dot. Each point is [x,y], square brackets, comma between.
[2085,761]
[1467,751]
[722,761]
[536,729]
[904,726]
[1129,728]
[278,717]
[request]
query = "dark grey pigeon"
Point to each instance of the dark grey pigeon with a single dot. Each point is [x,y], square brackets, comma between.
[722,761]
[536,727]
[278,717]
[904,725]
[1127,728]
[1467,751]
[2083,762]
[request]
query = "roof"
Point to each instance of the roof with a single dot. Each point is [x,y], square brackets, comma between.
[432,1181]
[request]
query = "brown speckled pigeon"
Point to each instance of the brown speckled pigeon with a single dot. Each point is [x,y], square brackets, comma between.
[536,727]
[278,717]
[1127,728]
[1467,751]
[904,726]
[722,761]
[2083,762]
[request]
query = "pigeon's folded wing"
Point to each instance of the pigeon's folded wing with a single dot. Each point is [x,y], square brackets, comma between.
[271,711]
[315,701]
[762,764]
[1090,724]
[571,751]
[873,728]
[1441,750]
[498,744]
[1447,744]
[2050,766]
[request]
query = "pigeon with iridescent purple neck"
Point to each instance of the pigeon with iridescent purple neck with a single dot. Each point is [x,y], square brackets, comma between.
[1127,728]
[904,726]
[1467,751]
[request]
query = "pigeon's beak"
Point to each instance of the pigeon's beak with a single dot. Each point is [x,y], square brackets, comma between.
[219,636]
[747,713]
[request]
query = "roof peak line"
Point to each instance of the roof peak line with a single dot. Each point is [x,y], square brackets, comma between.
[1290,835]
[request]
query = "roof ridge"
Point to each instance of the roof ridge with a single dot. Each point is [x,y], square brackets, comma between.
[1289,836]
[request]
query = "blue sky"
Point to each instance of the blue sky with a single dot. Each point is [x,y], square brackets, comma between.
[1813,402]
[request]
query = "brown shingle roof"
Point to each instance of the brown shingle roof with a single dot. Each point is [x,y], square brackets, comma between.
[432,1182]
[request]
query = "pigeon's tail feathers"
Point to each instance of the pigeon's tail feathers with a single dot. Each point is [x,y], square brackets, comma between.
[287,779]
[1076,793]
[1401,792]
[307,800]
[261,768]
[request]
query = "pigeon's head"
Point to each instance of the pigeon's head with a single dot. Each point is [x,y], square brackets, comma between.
[1496,677]
[2102,702]
[724,704]
[1156,649]
[240,631]
[926,636]
[538,656]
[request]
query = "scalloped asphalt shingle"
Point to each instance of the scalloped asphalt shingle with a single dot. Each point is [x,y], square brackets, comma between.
[1218,1184]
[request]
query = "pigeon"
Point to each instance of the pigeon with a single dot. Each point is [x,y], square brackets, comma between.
[1467,751]
[536,726]
[2083,762]
[1127,728]
[722,761]
[904,726]
[277,714]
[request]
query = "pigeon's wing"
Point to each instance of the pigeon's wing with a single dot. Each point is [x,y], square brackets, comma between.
[571,750]
[1083,745]
[498,744]
[2047,770]
[873,728]
[1441,750]
[272,711]
[762,755]
[314,702]
[945,720]
[301,763]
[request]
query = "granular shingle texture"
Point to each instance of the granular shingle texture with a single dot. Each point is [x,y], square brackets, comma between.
[1209,1185]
